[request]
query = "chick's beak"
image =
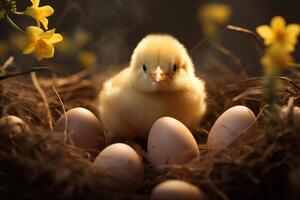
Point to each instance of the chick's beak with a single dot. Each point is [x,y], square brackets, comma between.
[159,75]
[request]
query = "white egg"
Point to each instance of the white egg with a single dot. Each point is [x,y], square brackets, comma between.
[230,126]
[176,190]
[285,111]
[121,162]
[170,142]
[13,125]
[83,129]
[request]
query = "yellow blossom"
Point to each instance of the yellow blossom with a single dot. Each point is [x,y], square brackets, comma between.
[212,15]
[2,12]
[17,41]
[39,13]
[66,46]
[4,47]
[82,37]
[275,59]
[40,42]
[279,33]
[87,59]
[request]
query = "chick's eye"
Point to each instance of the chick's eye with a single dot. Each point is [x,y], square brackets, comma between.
[175,68]
[144,68]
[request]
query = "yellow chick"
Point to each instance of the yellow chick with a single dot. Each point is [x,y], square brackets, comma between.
[160,81]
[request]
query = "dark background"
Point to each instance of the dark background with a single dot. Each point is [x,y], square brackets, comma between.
[118,25]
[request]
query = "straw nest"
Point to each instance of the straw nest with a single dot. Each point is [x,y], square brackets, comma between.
[41,166]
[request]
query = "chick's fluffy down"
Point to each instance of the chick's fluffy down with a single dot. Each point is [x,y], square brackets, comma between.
[131,101]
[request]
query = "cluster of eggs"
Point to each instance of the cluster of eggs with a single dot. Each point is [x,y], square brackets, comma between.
[169,142]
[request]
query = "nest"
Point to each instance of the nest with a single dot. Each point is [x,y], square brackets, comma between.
[41,166]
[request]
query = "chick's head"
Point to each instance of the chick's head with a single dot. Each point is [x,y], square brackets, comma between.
[160,63]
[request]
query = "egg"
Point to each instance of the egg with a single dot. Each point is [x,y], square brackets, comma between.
[176,190]
[229,127]
[122,164]
[170,142]
[284,113]
[83,129]
[13,125]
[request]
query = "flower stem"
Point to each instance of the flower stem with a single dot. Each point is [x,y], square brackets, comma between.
[271,87]
[18,13]
[13,24]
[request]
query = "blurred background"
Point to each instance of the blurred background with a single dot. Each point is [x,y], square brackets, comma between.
[103,33]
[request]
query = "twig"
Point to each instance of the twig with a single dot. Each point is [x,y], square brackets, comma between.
[249,32]
[291,92]
[70,5]
[7,63]
[290,81]
[262,110]
[290,109]
[221,67]
[199,44]
[64,110]
[6,76]
[227,53]
[246,93]
[246,80]
[261,78]
[44,97]
[271,166]
[217,190]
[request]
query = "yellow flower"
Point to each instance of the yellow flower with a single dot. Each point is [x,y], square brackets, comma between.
[40,42]
[18,41]
[66,46]
[275,59]
[87,59]
[212,15]
[39,13]
[4,47]
[278,32]
[82,37]
[2,12]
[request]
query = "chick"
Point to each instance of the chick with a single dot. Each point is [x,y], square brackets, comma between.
[160,81]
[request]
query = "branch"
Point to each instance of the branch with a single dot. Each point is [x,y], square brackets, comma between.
[6,76]
[249,32]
